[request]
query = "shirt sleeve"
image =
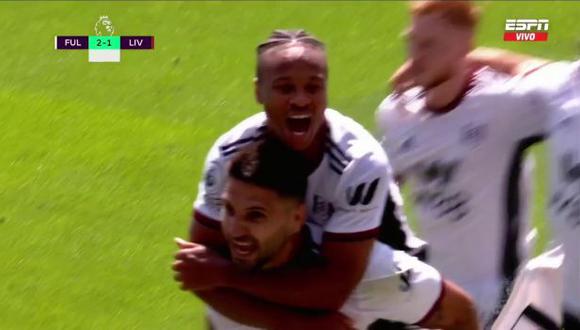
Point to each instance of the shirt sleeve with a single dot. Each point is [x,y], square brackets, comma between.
[360,199]
[208,205]
[388,119]
[556,82]
[545,90]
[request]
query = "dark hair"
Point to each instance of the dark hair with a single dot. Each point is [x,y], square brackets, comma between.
[284,37]
[272,165]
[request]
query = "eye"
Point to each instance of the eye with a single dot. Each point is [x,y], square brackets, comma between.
[229,210]
[255,216]
[313,88]
[284,88]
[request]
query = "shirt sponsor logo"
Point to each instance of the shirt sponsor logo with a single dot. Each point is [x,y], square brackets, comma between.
[473,134]
[362,194]
[322,210]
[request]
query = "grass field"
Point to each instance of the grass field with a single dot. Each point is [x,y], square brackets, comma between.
[99,163]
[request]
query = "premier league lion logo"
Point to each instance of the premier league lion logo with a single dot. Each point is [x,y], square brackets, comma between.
[104,26]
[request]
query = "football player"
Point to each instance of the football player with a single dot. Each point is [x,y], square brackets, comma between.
[264,225]
[348,184]
[459,139]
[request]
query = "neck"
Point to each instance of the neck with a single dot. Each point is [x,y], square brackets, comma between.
[446,95]
[315,152]
[288,251]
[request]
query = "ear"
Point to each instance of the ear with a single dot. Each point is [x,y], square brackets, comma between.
[257,92]
[299,218]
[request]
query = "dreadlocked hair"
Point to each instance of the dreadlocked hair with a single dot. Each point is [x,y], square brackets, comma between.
[284,37]
[287,37]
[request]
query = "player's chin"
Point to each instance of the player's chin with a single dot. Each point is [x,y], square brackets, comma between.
[299,140]
[244,263]
[244,258]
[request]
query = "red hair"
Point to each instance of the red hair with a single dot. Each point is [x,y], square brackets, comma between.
[459,13]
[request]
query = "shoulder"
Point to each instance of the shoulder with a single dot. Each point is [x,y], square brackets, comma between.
[215,167]
[228,144]
[552,79]
[399,108]
[352,143]
[554,71]
[497,91]
[249,130]
[490,82]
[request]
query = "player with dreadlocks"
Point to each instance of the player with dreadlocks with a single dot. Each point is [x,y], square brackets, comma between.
[347,187]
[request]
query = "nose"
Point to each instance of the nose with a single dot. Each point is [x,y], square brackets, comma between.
[300,99]
[237,228]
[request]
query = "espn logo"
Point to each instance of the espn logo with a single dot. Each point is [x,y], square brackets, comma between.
[526,30]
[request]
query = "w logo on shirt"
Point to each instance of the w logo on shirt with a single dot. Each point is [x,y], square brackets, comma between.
[362,194]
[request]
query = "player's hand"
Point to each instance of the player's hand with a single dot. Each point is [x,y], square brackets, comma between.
[198,267]
[335,321]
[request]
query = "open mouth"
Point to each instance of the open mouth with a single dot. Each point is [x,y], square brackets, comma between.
[242,249]
[299,124]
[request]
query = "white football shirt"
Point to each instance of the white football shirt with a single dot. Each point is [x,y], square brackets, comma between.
[346,193]
[467,174]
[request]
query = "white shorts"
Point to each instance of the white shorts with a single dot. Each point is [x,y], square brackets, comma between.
[536,299]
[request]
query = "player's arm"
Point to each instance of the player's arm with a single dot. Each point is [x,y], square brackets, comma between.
[499,59]
[249,310]
[206,231]
[454,311]
[256,313]
[505,61]
[205,226]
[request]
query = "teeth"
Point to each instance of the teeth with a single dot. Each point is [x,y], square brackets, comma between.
[243,244]
[242,250]
[300,116]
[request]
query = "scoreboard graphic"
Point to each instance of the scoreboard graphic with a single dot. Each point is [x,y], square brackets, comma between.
[104,46]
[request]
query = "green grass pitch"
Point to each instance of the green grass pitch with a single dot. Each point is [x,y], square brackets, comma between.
[99,162]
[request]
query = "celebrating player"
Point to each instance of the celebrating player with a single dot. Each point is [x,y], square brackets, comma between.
[347,187]
[264,225]
[558,84]
[459,140]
